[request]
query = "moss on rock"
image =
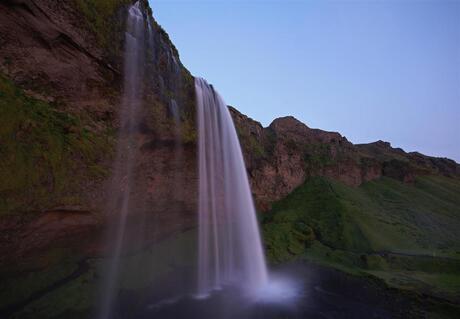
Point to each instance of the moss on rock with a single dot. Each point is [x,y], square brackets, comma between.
[40,149]
[100,17]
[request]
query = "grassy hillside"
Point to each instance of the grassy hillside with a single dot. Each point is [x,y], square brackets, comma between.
[404,234]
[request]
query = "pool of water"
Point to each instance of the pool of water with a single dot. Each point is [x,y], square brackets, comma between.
[299,290]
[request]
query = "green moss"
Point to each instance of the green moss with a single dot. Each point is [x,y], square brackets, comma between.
[40,148]
[100,17]
[189,132]
[250,144]
[318,155]
[256,147]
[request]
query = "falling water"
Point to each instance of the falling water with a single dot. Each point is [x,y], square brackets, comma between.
[122,182]
[230,249]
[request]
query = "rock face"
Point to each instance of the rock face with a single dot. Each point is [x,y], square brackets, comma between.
[46,52]
[284,155]
[60,75]
[60,92]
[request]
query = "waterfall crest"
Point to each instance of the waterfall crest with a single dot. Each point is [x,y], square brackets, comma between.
[230,248]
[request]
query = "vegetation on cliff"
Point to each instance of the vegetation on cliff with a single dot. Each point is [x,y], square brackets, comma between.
[41,148]
[100,16]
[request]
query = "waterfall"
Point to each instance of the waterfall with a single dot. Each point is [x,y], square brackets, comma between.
[230,248]
[122,181]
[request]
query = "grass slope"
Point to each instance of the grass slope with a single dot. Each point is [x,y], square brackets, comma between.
[404,234]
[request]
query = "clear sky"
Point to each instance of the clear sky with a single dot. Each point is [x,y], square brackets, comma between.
[370,70]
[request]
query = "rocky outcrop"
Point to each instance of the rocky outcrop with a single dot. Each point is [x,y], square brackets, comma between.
[285,154]
[282,156]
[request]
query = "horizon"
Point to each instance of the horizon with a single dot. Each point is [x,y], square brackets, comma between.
[368,70]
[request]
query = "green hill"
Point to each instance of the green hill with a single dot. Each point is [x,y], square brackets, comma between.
[404,234]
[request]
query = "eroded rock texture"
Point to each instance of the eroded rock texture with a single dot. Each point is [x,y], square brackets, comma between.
[285,154]
[61,87]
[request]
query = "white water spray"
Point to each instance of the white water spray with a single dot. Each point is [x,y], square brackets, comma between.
[230,248]
[122,181]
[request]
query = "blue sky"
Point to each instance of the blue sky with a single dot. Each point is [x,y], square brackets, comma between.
[370,70]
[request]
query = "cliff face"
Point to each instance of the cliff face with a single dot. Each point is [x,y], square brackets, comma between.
[60,90]
[282,156]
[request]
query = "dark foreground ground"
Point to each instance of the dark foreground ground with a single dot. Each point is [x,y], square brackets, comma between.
[318,292]
[159,284]
[314,292]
